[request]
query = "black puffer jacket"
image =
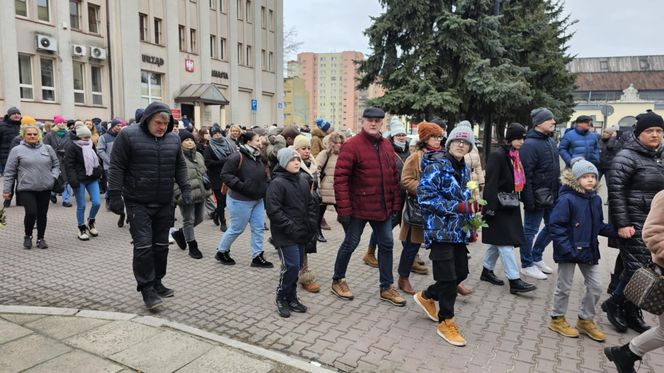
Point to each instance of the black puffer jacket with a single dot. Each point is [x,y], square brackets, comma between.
[287,202]
[75,165]
[541,164]
[8,131]
[636,175]
[144,167]
[247,182]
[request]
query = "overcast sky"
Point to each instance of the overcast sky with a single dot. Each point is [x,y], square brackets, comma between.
[604,28]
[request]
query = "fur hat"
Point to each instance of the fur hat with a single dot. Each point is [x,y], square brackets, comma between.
[301,141]
[83,131]
[461,133]
[285,155]
[581,167]
[428,129]
[646,121]
[515,131]
[540,115]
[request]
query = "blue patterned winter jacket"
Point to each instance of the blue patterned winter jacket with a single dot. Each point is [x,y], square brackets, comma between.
[439,194]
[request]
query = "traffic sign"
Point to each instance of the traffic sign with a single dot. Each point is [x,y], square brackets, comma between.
[254,105]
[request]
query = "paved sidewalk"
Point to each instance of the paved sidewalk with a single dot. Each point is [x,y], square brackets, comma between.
[44,339]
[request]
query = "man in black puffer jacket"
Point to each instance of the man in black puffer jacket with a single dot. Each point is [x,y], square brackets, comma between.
[541,163]
[8,131]
[145,161]
[637,175]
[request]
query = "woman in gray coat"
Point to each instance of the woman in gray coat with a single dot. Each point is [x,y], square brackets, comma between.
[34,167]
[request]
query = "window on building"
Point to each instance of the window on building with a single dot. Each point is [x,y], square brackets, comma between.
[157,30]
[604,65]
[25,76]
[143,26]
[47,79]
[213,4]
[250,56]
[240,9]
[79,83]
[222,6]
[263,17]
[240,54]
[270,19]
[270,61]
[222,49]
[263,59]
[95,82]
[249,12]
[43,12]
[75,14]
[182,35]
[213,46]
[93,19]
[21,8]
[150,87]
[192,40]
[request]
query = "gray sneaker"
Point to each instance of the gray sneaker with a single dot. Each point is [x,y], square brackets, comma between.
[27,242]
[41,244]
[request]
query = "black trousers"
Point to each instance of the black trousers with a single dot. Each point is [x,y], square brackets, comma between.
[450,268]
[221,204]
[36,208]
[149,227]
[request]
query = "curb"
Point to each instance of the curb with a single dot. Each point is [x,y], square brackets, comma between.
[156,322]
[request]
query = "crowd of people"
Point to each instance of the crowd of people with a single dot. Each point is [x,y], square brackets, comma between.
[433,189]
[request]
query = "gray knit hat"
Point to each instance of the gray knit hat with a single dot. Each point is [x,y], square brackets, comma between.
[540,115]
[285,155]
[83,131]
[581,167]
[461,133]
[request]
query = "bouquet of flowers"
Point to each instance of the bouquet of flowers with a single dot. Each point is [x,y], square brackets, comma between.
[476,223]
[3,218]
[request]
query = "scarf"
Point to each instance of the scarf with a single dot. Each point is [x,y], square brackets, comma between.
[458,167]
[519,174]
[253,152]
[400,144]
[89,156]
[60,133]
[433,149]
[222,148]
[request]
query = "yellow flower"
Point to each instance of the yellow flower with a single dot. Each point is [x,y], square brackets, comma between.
[472,185]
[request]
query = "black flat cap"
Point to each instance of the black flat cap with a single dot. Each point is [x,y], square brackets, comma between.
[373,112]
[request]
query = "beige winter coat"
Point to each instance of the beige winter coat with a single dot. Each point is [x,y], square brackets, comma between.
[327,182]
[653,229]
[474,164]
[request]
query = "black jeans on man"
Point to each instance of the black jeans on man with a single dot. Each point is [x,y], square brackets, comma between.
[36,208]
[149,226]
[450,268]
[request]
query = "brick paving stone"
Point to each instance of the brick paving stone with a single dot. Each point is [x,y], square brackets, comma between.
[238,301]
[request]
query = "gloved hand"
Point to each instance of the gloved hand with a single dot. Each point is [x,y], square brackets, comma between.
[468,208]
[116,204]
[344,220]
[187,200]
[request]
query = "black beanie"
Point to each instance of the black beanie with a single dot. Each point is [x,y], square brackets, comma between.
[646,121]
[515,131]
[184,134]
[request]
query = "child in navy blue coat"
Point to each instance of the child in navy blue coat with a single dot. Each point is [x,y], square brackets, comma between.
[576,221]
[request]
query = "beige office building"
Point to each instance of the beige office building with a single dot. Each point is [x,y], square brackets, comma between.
[212,60]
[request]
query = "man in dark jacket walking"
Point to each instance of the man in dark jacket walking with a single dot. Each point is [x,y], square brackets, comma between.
[541,164]
[8,130]
[366,184]
[145,161]
[580,142]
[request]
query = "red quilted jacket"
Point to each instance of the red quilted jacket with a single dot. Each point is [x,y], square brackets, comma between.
[366,178]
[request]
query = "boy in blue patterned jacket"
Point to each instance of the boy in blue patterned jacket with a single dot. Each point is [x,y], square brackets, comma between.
[443,195]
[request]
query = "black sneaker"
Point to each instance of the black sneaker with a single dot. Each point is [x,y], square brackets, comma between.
[215,218]
[163,291]
[296,306]
[151,299]
[178,236]
[66,204]
[222,226]
[260,262]
[225,258]
[27,242]
[54,198]
[282,307]
[41,244]
[121,221]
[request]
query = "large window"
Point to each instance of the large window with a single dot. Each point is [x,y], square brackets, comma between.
[47,79]
[240,9]
[150,87]
[249,12]
[222,6]
[222,49]
[143,26]
[182,35]
[263,17]
[270,62]
[21,8]
[93,19]
[95,82]
[25,76]
[250,56]
[192,40]
[43,11]
[79,83]
[240,54]
[157,31]
[75,14]
[270,19]
[213,46]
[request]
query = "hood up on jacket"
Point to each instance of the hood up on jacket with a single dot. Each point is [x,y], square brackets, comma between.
[152,109]
[570,183]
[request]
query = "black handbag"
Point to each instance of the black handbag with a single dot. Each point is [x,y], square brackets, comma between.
[206,182]
[543,198]
[58,185]
[412,214]
[646,290]
[508,200]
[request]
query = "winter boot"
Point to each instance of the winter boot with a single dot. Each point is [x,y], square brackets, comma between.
[91,228]
[260,262]
[622,357]
[615,313]
[151,299]
[193,250]
[225,258]
[519,286]
[83,233]
[308,282]
[489,276]
[405,286]
[370,257]
[634,317]
[178,236]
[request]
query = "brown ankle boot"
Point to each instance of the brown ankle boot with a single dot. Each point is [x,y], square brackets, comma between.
[463,290]
[404,285]
[370,257]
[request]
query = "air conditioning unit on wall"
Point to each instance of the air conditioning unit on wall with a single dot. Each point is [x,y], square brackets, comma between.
[46,43]
[98,53]
[79,50]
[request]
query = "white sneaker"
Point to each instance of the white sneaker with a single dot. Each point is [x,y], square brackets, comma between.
[543,267]
[170,236]
[533,272]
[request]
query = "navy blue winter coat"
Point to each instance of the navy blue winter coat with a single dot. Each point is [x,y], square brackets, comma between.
[541,164]
[578,143]
[576,221]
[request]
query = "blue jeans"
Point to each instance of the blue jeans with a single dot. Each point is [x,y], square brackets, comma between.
[408,254]
[243,213]
[292,257]
[532,252]
[93,189]
[354,231]
[506,254]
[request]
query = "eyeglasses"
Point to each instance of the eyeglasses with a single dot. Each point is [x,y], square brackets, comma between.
[459,143]
[400,135]
[436,137]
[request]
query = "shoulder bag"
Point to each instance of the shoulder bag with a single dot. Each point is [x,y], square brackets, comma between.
[508,200]
[412,214]
[224,187]
[646,289]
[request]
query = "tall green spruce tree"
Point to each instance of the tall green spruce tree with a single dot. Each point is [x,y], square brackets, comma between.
[458,60]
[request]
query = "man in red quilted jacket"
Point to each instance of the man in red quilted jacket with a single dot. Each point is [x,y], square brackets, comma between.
[366,187]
